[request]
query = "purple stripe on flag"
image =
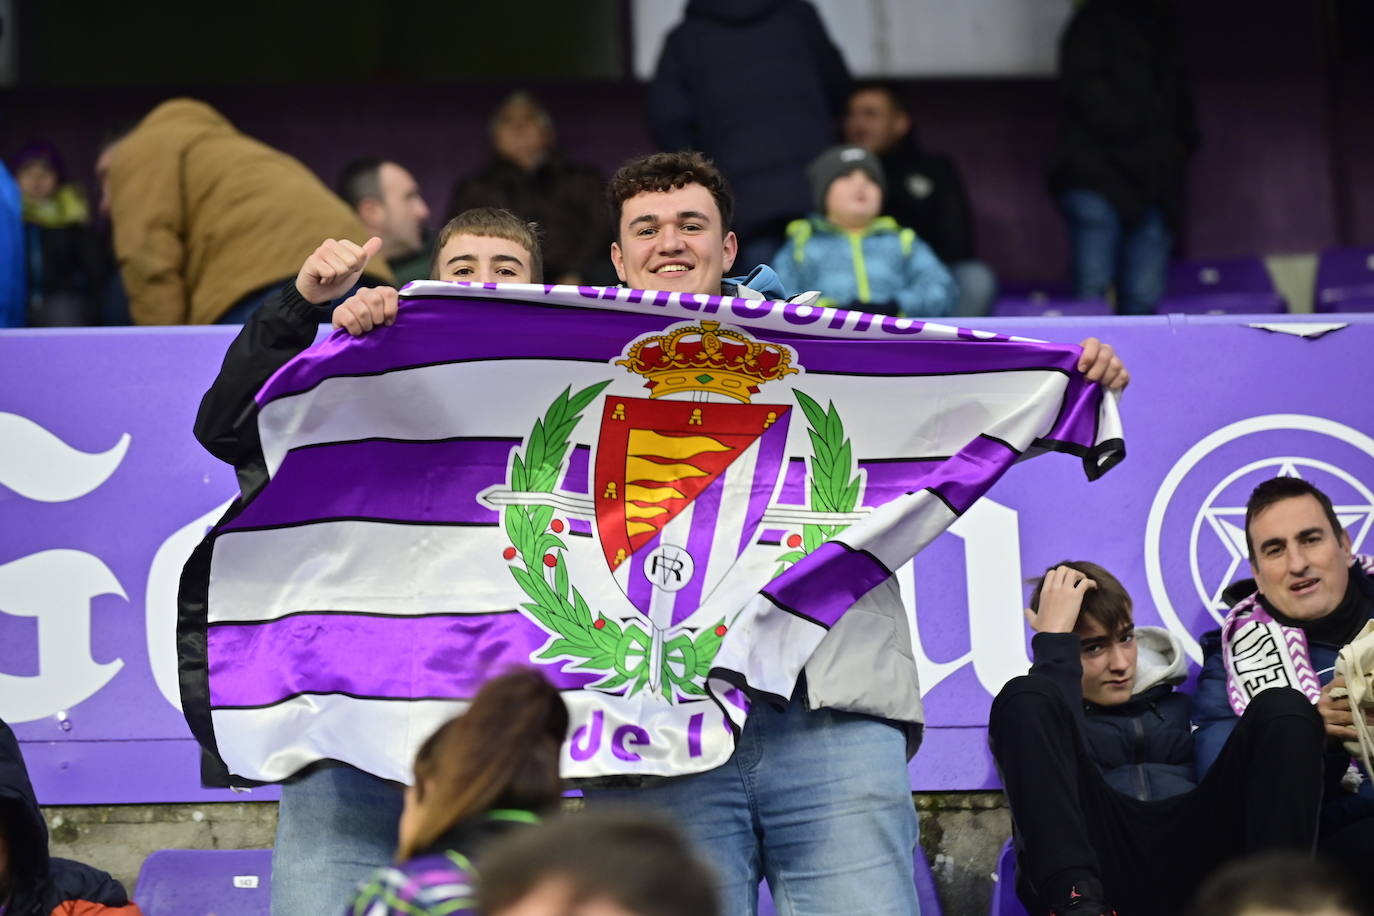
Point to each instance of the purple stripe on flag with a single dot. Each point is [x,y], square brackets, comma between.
[576,479]
[638,588]
[429,331]
[434,482]
[705,514]
[449,657]
[823,585]
[1077,421]
[971,472]
[767,465]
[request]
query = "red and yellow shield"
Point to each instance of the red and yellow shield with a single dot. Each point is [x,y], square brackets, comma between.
[655,456]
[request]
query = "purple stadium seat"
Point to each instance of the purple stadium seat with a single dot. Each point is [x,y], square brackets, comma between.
[200,882]
[1223,304]
[1239,286]
[1004,899]
[1040,305]
[1345,281]
[925,890]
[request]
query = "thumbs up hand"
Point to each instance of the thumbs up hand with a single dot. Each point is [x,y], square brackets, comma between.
[333,268]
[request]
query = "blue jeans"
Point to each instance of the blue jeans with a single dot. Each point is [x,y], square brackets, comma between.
[335,826]
[977,287]
[816,801]
[1105,252]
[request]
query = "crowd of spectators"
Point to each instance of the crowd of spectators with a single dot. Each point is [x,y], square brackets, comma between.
[204,220]
[1127,795]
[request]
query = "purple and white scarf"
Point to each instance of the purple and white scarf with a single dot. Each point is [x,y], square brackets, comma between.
[1258,652]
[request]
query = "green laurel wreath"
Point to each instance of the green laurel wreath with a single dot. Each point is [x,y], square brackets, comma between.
[598,643]
[834,482]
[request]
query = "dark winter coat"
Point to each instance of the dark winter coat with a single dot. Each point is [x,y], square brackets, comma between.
[925,192]
[566,199]
[41,885]
[1127,125]
[758,86]
[1144,747]
[1216,719]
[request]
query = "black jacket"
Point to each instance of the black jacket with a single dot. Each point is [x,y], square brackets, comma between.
[1127,126]
[925,192]
[758,86]
[566,199]
[283,326]
[40,884]
[1144,747]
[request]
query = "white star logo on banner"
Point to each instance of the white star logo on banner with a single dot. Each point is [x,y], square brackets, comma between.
[1227,523]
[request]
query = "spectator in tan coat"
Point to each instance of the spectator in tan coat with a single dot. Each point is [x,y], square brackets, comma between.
[208,221]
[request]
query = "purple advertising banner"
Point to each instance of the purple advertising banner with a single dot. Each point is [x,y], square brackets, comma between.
[104,492]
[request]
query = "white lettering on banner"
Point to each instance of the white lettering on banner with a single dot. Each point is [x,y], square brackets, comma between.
[56,588]
[160,600]
[992,571]
[39,466]
[644,737]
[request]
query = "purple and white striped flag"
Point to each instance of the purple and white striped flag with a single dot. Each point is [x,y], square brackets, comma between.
[662,501]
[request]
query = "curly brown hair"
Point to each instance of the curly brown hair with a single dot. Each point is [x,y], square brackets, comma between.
[668,172]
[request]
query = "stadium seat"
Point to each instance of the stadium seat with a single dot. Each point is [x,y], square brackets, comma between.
[199,882]
[1239,286]
[1038,305]
[1004,899]
[925,890]
[1345,281]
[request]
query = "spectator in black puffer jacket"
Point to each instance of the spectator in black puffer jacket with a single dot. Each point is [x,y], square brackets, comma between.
[757,86]
[31,882]
[1096,754]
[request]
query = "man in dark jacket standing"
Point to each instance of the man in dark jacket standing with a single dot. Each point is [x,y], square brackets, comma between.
[925,191]
[1096,755]
[1125,134]
[32,883]
[528,176]
[757,86]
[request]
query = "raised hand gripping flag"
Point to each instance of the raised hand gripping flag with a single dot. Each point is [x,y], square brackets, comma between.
[662,501]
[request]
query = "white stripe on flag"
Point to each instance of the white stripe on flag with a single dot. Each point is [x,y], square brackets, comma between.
[917,415]
[734,505]
[460,399]
[769,646]
[274,742]
[360,566]
[378,736]
[897,530]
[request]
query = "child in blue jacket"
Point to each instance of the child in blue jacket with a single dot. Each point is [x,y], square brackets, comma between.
[856,258]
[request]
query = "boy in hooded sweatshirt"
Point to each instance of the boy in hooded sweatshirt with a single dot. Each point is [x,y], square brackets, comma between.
[861,260]
[31,882]
[1095,750]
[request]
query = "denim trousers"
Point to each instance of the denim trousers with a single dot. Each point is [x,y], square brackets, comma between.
[818,802]
[335,826]
[1105,252]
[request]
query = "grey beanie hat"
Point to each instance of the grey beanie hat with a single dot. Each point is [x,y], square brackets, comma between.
[837,162]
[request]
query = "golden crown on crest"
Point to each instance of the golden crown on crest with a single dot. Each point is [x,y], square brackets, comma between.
[705,357]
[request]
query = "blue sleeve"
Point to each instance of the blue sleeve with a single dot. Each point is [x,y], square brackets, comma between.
[1211,713]
[14,301]
[928,289]
[785,265]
